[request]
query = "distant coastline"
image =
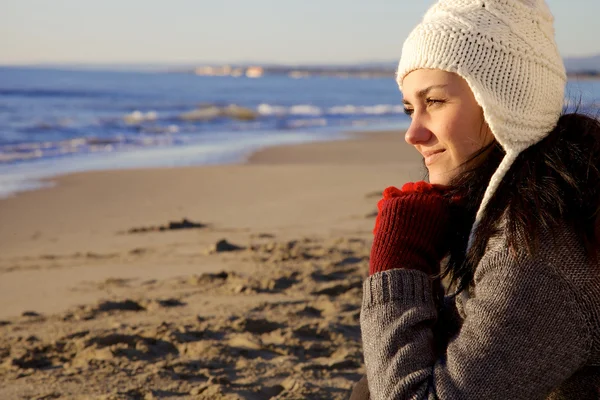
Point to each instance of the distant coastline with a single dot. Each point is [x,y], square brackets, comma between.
[258,71]
[577,68]
[298,72]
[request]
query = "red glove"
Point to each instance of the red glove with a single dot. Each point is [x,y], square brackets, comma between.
[411,228]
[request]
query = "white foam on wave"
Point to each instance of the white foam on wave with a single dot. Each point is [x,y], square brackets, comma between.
[138,117]
[269,110]
[305,109]
[160,136]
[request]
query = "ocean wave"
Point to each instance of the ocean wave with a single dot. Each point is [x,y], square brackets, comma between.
[208,113]
[80,145]
[138,117]
[160,130]
[304,109]
[307,123]
[65,135]
[269,110]
[211,112]
[204,116]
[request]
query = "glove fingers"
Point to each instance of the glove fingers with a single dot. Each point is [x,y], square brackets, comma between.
[392,191]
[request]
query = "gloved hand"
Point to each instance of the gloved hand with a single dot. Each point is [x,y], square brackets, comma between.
[411,228]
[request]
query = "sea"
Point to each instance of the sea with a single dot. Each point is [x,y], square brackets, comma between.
[59,121]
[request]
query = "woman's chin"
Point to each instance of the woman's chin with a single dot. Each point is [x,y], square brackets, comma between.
[436,178]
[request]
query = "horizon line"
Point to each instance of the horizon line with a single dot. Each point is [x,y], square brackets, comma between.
[216,63]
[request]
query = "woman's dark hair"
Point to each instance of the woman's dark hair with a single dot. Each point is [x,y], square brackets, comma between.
[552,183]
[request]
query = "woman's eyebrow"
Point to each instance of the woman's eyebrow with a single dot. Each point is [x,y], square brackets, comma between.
[424,92]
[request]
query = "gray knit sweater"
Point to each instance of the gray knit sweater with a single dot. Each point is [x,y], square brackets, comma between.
[526,329]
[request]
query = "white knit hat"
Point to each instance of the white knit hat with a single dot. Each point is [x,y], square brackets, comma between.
[505,50]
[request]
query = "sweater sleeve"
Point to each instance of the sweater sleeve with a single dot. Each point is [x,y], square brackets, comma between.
[522,336]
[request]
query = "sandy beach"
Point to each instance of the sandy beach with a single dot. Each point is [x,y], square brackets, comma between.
[218,282]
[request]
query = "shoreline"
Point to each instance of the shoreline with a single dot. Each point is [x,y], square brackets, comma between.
[42,173]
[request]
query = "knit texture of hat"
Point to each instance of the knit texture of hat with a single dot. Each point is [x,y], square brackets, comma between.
[505,50]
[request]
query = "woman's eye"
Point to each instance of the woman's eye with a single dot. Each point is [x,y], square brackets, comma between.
[428,102]
[433,101]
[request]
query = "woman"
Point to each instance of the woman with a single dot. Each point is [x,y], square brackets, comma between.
[513,200]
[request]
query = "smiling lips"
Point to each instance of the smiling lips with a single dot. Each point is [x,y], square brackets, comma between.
[432,156]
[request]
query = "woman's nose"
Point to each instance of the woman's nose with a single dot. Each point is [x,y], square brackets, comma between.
[417,132]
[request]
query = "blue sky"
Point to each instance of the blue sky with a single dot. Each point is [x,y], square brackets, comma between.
[282,31]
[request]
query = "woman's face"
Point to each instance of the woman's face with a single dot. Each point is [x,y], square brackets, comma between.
[447,125]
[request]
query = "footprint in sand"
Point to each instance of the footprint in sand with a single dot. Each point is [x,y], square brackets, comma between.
[133,347]
[258,326]
[223,246]
[171,226]
[125,305]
